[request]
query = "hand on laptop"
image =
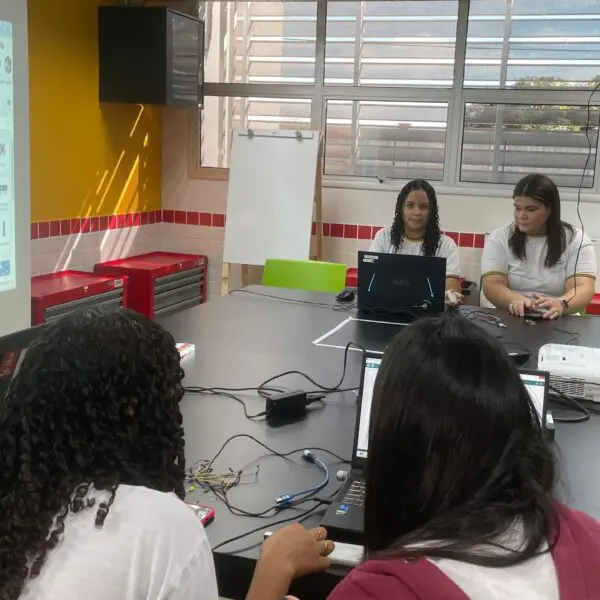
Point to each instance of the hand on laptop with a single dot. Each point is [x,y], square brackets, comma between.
[453,299]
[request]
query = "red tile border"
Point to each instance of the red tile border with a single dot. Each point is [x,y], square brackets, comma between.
[365,232]
[351,231]
[50,229]
[43,230]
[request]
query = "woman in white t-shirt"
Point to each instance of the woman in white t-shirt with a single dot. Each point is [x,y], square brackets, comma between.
[539,262]
[416,231]
[92,474]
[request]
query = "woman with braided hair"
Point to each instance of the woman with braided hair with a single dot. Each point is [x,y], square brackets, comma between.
[92,474]
[416,231]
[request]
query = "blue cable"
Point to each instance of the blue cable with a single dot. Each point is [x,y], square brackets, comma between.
[287,499]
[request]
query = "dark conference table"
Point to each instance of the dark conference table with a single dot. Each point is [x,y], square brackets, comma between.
[243,339]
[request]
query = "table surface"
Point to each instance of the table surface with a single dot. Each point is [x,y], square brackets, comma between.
[245,338]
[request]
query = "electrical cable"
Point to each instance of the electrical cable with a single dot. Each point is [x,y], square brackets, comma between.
[225,393]
[286,499]
[320,388]
[583,173]
[566,399]
[300,519]
[285,455]
[283,299]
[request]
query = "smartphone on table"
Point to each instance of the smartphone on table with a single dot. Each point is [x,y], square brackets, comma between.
[205,514]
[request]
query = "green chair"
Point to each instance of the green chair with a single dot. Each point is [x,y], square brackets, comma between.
[308,275]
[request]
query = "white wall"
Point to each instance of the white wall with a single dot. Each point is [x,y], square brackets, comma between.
[15,311]
[467,214]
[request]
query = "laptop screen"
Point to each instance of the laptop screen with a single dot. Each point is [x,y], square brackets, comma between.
[536,385]
[371,369]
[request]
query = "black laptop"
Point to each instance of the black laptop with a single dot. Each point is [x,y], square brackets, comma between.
[390,284]
[344,518]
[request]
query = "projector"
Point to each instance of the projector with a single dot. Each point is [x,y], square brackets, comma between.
[574,370]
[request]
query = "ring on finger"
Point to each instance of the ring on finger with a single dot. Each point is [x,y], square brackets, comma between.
[327,547]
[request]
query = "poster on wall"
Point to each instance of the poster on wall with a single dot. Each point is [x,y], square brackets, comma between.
[7,183]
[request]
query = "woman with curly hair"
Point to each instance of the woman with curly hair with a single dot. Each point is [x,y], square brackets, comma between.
[416,231]
[92,474]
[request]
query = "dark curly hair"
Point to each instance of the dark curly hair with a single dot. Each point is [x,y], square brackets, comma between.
[95,403]
[432,232]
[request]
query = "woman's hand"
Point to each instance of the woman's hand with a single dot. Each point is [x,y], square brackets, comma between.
[453,299]
[297,551]
[287,554]
[518,307]
[553,306]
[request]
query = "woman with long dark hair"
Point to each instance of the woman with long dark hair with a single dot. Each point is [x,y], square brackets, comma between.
[416,231]
[538,261]
[459,481]
[92,474]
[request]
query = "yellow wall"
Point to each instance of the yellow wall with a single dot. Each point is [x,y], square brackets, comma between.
[87,159]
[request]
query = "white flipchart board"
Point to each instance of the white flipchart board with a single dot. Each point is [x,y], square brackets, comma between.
[271,196]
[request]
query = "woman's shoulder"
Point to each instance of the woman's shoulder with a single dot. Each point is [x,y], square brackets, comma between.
[576,236]
[501,234]
[396,578]
[158,512]
[382,233]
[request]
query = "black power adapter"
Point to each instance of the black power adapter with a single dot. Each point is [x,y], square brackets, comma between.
[287,406]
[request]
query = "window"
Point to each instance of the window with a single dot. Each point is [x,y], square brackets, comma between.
[395,140]
[527,44]
[457,91]
[504,142]
[222,115]
[391,43]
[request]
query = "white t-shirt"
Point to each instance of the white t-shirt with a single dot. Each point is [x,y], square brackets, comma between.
[535,579]
[151,547]
[531,275]
[447,249]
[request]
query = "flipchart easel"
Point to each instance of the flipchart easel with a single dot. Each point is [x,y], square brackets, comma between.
[274,196]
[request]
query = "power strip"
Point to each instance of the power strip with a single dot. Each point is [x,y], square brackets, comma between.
[345,555]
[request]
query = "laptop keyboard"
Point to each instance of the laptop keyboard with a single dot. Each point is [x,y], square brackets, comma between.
[355,494]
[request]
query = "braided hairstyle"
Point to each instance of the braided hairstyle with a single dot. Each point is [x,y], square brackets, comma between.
[432,231]
[94,405]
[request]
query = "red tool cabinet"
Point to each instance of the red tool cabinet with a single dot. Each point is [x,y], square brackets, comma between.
[161,283]
[57,294]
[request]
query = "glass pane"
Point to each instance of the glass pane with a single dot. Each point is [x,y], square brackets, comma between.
[534,44]
[260,42]
[222,115]
[407,43]
[503,142]
[396,140]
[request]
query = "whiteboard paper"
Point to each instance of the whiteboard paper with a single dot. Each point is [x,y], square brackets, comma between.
[270,197]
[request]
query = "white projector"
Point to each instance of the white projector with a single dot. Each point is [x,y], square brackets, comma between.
[574,370]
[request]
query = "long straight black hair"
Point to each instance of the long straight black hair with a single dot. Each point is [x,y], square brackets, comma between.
[456,451]
[544,190]
[432,231]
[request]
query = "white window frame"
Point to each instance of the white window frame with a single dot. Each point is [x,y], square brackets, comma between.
[456,97]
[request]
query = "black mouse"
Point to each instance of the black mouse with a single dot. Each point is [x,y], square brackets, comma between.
[346,295]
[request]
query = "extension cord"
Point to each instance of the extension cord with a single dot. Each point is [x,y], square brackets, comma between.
[344,555]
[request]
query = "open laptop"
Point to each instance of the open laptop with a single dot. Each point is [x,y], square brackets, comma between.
[344,519]
[400,284]
[13,348]
[537,383]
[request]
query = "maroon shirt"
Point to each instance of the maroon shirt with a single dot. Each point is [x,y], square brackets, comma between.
[576,557]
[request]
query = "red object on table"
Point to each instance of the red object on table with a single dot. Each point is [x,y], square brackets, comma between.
[56,294]
[352,278]
[594,306]
[161,282]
